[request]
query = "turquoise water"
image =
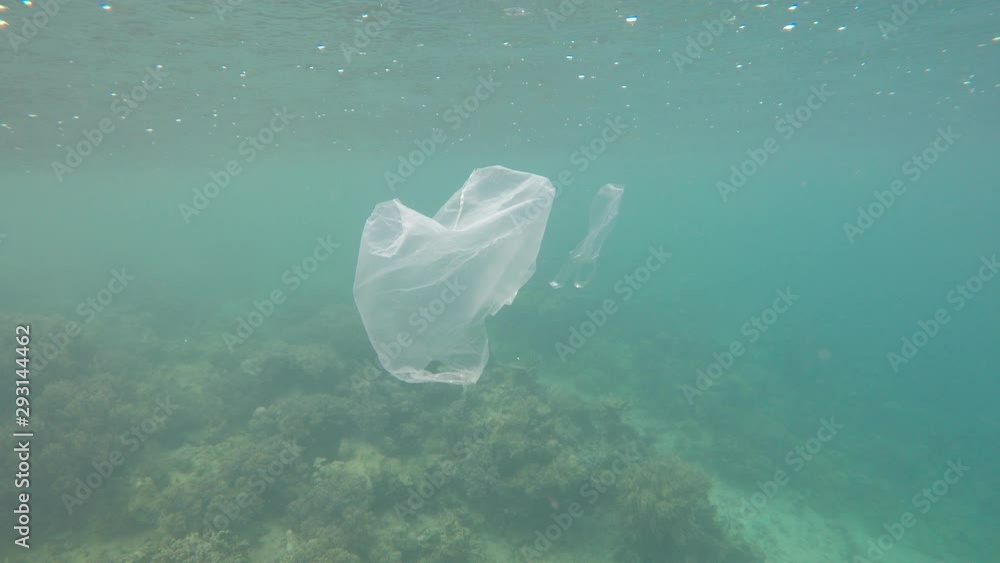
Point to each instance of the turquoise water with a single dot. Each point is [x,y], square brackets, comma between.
[787,353]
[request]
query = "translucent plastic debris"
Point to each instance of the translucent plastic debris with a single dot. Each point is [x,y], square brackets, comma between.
[426,285]
[582,262]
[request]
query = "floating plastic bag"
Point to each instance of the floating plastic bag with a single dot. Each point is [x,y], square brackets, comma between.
[425,286]
[582,262]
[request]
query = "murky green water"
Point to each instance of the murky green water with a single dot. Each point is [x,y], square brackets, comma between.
[787,353]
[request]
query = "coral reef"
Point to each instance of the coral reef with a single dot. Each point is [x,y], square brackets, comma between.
[209,547]
[318,459]
[665,507]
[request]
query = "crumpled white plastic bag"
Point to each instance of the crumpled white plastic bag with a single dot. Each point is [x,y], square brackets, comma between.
[426,285]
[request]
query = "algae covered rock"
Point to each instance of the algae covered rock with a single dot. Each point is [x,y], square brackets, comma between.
[207,547]
[665,507]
